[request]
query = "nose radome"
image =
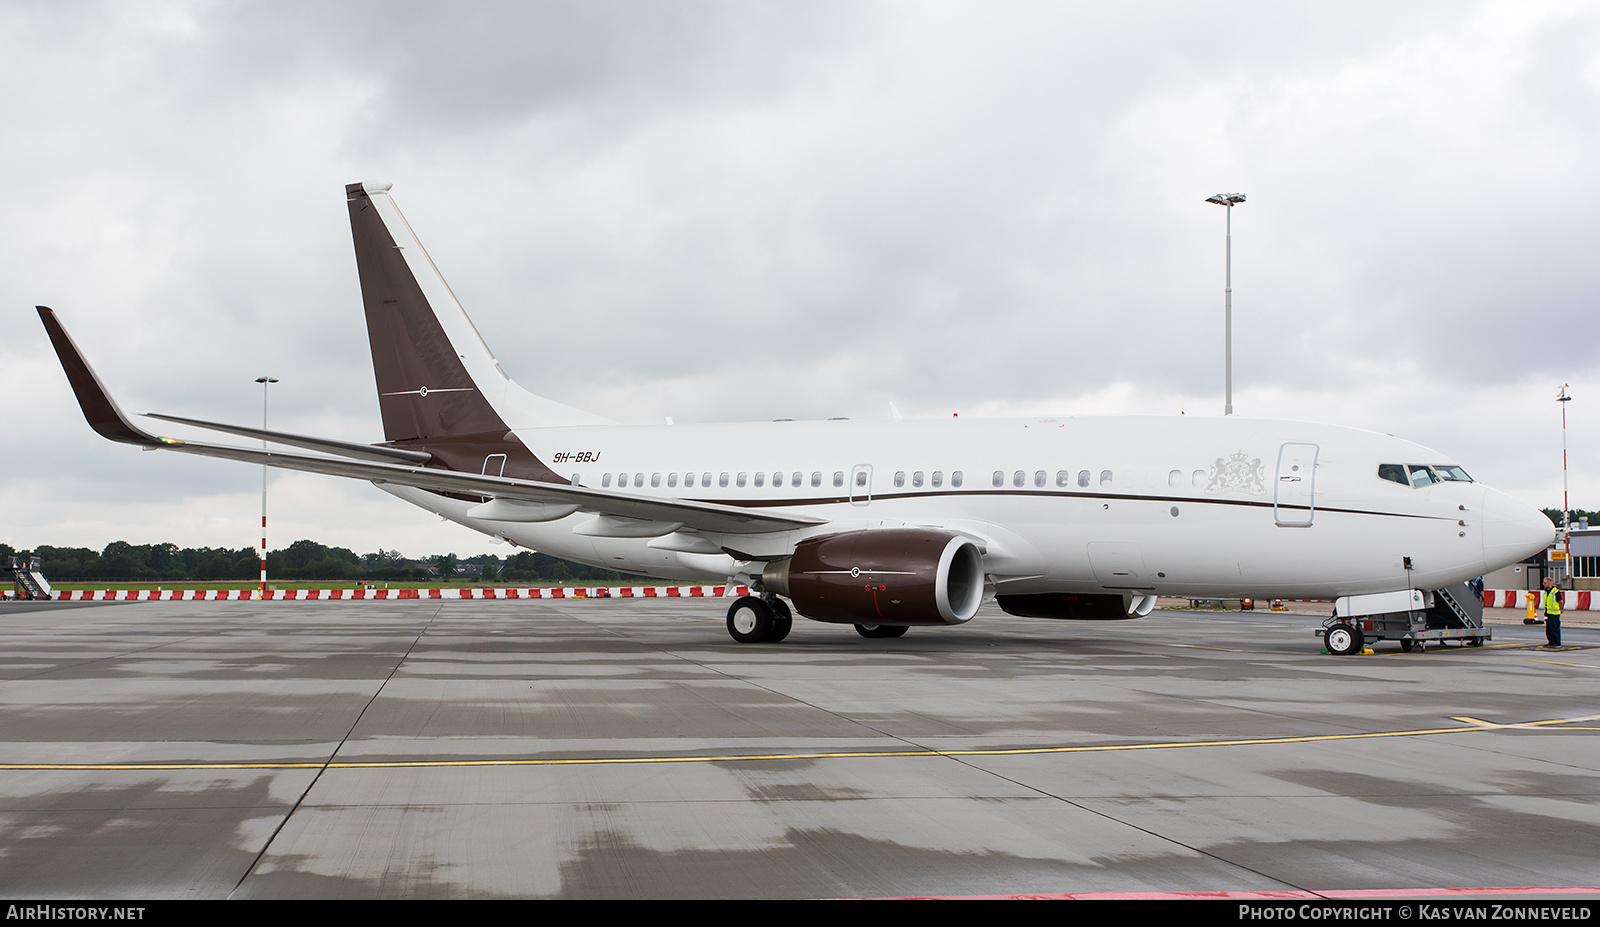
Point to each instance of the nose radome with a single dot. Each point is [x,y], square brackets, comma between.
[1512,531]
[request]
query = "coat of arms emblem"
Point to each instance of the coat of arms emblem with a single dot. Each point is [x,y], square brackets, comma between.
[1239,473]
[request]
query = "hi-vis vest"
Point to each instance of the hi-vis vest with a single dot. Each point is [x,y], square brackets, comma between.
[1552,601]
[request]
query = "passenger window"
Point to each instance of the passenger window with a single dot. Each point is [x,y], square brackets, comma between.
[655,481]
[1083,477]
[838,478]
[1018,478]
[1199,479]
[1039,478]
[861,477]
[688,481]
[1063,477]
[705,480]
[916,478]
[938,478]
[1394,473]
[955,479]
[999,478]
[761,479]
[638,480]
[1105,479]
[816,478]
[777,480]
[799,478]
[740,479]
[722,480]
[899,478]
[605,481]
[1175,479]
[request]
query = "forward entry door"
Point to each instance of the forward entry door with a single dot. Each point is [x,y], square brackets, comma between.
[1294,502]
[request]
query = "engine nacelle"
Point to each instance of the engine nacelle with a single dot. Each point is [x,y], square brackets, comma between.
[890,576]
[1078,606]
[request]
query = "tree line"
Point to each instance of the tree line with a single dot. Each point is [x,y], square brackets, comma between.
[1593,518]
[302,560]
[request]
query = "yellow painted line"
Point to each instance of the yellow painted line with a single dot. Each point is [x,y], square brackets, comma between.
[1472,725]
[1559,663]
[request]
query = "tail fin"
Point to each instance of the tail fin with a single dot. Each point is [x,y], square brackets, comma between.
[436,376]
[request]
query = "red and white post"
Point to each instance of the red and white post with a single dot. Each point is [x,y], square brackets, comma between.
[264,381]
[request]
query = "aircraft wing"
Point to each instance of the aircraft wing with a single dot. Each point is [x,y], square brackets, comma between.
[340,448]
[107,418]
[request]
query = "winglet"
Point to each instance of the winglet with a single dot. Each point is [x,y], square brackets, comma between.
[98,406]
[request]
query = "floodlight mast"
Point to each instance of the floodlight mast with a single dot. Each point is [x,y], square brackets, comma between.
[1566,512]
[1229,200]
[264,381]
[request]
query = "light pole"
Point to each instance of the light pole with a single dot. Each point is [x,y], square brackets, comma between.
[1566,515]
[1229,200]
[264,381]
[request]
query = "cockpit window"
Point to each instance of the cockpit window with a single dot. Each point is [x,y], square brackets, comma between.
[1422,476]
[1451,473]
[1394,473]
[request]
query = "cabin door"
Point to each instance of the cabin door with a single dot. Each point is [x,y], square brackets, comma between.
[1294,501]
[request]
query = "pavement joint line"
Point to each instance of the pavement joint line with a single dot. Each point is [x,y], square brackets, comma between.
[335,752]
[1467,728]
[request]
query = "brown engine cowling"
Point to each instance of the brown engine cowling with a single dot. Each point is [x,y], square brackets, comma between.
[888,576]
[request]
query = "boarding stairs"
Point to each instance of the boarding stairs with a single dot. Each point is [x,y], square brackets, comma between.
[1455,607]
[28,580]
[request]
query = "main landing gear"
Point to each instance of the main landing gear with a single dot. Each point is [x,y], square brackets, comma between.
[752,620]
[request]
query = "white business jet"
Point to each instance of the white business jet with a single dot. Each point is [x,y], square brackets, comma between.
[881,525]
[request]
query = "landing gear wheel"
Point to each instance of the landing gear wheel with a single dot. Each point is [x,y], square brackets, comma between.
[782,621]
[1406,644]
[749,620]
[1342,639]
[882,630]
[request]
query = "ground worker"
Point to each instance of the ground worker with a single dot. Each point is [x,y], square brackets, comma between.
[1552,614]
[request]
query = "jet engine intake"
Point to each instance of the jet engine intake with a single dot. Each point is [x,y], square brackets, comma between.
[891,576]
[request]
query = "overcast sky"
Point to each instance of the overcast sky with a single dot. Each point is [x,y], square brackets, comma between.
[746,211]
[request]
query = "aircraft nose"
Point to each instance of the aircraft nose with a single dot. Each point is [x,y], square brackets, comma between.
[1512,531]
